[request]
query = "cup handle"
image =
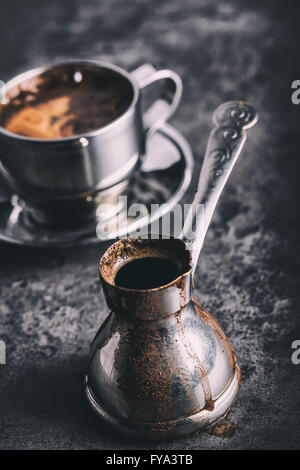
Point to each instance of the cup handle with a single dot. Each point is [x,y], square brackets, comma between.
[164,107]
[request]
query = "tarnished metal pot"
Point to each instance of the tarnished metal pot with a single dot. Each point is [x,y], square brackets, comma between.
[160,366]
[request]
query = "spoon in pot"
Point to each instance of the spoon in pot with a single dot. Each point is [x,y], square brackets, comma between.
[224,146]
[160,366]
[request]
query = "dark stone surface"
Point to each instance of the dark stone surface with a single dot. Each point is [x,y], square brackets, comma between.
[51,302]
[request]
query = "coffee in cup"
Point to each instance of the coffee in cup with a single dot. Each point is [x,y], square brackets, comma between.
[71,130]
[66,101]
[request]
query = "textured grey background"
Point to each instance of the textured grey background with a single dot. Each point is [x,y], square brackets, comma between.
[51,302]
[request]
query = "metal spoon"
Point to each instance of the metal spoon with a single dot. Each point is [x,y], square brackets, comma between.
[224,146]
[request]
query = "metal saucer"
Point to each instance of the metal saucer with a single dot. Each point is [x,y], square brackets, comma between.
[162,179]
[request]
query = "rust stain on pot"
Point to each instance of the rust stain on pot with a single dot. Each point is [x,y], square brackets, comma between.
[146,381]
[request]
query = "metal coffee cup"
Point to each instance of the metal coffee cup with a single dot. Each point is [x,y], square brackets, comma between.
[55,170]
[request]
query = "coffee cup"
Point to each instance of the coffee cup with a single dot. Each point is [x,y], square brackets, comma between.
[82,161]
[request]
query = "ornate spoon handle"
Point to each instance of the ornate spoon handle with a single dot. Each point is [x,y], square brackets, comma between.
[224,145]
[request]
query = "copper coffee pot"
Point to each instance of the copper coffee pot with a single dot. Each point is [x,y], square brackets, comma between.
[160,366]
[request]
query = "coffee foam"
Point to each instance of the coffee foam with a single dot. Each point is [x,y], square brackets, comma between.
[55,104]
[50,120]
